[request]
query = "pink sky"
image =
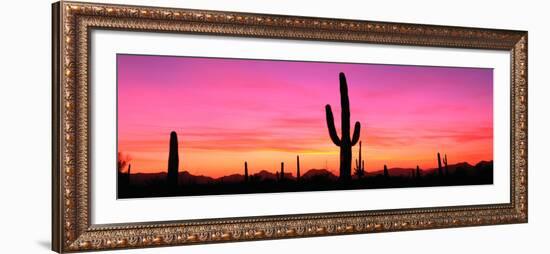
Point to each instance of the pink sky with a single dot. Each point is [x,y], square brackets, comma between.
[227,111]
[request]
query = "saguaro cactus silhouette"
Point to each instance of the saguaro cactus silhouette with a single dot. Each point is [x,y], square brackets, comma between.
[359,164]
[418,175]
[297,167]
[245,171]
[173,160]
[386,172]
[345,142]
[445,163]
[282,175]
[439,169]
[128,174]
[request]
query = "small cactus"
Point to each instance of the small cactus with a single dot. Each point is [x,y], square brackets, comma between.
[445,163]
[128,174]
[359,164]
[297,168]
[245,172]
[439,169]
[282,175]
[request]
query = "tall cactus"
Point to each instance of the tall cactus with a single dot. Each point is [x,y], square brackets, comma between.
[345,142]
[173,160]
[418,175]
[445,163]
[297,167]
[245,172]
[386,172]
[439,169]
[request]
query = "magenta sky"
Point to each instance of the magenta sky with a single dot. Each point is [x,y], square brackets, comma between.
[226,111]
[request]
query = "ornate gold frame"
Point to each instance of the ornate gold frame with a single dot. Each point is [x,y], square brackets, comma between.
[71,226]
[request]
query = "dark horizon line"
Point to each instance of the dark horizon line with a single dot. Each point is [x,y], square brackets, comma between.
[294,169]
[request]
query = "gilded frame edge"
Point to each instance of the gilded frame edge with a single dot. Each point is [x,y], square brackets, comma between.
[71,226]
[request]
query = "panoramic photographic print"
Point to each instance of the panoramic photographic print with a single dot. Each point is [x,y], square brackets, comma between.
[192,126]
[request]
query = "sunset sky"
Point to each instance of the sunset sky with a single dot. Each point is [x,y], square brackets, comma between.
[227,111]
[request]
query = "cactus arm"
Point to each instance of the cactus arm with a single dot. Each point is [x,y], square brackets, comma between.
[331,127]
[356,133]
[344,102]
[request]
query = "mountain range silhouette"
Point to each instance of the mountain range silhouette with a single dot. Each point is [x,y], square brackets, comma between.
[187,178]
